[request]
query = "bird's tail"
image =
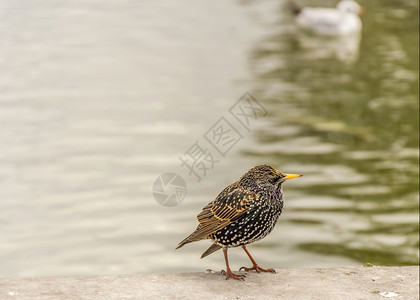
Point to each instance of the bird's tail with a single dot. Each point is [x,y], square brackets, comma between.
[193,237]
[294,8]
[214,247]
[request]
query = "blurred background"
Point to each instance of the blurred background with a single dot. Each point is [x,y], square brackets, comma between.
[98,98]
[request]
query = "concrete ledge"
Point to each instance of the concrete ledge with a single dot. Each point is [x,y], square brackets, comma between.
[336,283]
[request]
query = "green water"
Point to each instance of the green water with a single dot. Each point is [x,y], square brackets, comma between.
[363,114]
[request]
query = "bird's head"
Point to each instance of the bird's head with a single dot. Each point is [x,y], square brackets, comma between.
[350,6]
[266,178]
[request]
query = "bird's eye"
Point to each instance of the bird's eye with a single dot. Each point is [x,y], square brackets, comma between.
[273,179]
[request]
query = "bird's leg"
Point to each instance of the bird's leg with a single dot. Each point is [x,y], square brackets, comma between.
[255,266]
[228,272]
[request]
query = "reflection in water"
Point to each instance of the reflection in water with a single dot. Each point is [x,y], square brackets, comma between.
[353,128]
[345,48]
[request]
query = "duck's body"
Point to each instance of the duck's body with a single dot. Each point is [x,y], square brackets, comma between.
[342,20]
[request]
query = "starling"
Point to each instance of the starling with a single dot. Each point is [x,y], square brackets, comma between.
[244,212]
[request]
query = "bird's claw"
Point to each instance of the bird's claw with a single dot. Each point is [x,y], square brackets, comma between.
[229,274]
[257,269]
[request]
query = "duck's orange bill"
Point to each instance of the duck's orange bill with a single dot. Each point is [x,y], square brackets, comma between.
[291,176]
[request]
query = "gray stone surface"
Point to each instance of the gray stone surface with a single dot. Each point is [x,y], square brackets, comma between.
[335,283]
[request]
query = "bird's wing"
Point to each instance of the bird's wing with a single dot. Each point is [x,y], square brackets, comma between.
[228,207]
[320,18]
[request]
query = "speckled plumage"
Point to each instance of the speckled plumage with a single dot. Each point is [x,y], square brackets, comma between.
[244,212]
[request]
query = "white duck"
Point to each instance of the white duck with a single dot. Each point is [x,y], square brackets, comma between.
[342,20]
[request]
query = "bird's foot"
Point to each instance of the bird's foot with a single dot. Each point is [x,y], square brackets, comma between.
[229,274]
[257,269]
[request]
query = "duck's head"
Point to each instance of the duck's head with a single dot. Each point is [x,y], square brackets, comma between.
[350,6]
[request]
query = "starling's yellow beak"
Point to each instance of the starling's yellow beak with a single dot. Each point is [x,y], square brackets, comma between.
[291,176]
